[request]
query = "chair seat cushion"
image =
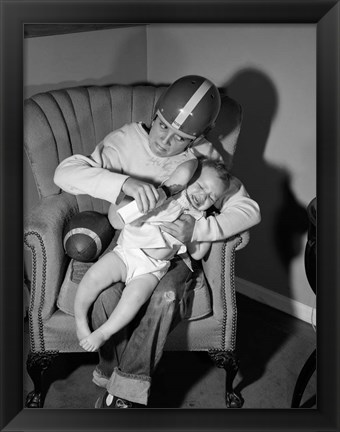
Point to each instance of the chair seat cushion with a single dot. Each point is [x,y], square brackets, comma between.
[74,274]
[198,300]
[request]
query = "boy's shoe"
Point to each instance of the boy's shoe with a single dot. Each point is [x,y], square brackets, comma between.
[99,379]
[114,402]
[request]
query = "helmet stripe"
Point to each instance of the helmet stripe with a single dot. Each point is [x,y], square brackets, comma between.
[191,104]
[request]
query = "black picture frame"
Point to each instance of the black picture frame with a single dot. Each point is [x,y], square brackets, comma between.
[326,15]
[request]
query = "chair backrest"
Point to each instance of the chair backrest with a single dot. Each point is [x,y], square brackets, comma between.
[60,123]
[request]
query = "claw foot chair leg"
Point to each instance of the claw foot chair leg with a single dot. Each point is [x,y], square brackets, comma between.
[229,362]
[37,364]
[302,381]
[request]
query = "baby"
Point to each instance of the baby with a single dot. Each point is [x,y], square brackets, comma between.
[143,252]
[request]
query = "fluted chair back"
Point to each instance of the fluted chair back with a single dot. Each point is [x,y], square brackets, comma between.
[71,121]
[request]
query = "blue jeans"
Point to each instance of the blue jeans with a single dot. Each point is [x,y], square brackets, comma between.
[130,357]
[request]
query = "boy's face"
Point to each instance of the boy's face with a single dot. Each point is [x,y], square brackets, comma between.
[205,189]
[165,141]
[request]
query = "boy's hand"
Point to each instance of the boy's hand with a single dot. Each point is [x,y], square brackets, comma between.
[145,194]
[182,229]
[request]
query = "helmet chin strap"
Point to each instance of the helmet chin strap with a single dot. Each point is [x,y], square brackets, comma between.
[191,144]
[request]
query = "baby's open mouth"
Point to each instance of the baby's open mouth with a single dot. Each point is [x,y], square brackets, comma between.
[195,201]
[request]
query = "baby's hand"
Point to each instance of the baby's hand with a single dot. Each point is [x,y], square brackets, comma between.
[182,229]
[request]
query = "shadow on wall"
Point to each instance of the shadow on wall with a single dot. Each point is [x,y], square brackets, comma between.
[278,238]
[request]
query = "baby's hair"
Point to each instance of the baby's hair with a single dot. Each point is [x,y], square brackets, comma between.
[216,165]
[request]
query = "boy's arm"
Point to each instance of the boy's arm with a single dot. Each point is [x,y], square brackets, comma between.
[238,213]
[100,175]
[96,175]
[198,249]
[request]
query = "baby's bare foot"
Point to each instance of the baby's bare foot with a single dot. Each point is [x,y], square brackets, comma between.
[82,329]
[94,341]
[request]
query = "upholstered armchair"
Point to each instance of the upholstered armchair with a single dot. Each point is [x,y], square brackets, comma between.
[58,124]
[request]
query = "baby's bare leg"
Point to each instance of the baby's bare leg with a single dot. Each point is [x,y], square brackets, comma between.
[135,294]
[107,270]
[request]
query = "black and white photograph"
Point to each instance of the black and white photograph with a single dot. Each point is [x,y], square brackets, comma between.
[229,294]
[179,180]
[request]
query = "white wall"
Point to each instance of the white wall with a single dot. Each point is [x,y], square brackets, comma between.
[271,70]
[87,58]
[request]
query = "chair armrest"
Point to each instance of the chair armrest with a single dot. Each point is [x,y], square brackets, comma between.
[43,230]
[219,270]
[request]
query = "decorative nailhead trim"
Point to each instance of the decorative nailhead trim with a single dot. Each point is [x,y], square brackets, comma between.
[33,290]
[233,296]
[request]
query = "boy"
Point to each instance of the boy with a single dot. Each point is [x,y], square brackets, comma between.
[143,254]
[130,162]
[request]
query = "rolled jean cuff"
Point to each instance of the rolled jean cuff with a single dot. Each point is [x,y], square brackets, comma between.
[134,388]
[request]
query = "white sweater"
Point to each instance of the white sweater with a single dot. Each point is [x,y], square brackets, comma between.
[125,153]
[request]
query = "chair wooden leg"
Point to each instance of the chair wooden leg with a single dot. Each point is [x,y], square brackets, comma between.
[229,362]
[303,378]
[37,364]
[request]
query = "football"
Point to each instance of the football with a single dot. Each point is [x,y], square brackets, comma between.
[87,235]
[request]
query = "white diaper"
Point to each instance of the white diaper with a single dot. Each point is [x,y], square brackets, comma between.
[138,263]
